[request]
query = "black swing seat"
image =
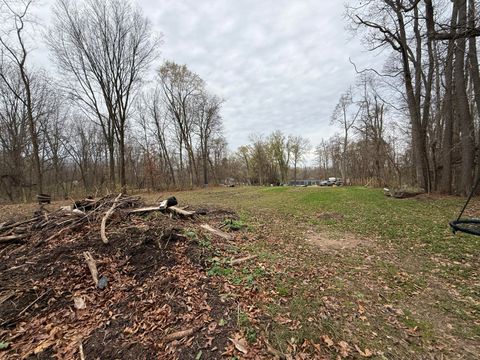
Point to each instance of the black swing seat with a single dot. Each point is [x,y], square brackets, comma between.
[468,226]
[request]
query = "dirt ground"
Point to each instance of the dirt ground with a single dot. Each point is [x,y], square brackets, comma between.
[338,273]
[157,286]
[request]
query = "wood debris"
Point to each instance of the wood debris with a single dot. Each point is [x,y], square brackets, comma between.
[156,274]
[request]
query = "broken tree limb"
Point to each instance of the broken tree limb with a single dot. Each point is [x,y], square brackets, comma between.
[214,231]
[241,260]
[181,212]
[179,334]
[105,218]
[164,205]
[144,209]
[92,266]
[80,350]
[10,226]
[12,238]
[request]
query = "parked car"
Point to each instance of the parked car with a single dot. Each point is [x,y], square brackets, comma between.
[324,183]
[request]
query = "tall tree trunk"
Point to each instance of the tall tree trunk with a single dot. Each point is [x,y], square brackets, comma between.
[418,135]
[473,60]
[447,109]
[121,151]
[466,123]
[111,161]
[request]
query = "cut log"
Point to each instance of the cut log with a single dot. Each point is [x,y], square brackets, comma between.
[241,260]
[181,212]
[92,266]
[219,233]
[105,218]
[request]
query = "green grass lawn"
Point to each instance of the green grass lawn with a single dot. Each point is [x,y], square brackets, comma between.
[401,285]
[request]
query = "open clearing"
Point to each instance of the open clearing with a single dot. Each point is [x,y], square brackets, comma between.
[340,272]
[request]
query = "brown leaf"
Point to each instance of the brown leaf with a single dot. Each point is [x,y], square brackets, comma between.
[361,309]
[344,348]
[367,353]
[326,339]
[209,341]
[79,303]
[240,345]
[43,346]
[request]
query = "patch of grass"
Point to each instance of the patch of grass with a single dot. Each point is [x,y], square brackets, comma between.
[282,290]
[205,243]
[190,234]
[219,270]
[233,225]
[410,250]
[423,327]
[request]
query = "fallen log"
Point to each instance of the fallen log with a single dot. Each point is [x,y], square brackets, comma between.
[105,218]
[181,212]
[214,231]
[92,266]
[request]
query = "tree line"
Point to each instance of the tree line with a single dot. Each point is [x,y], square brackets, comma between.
[274,159]
[429,93]
[109,117]
[414,123]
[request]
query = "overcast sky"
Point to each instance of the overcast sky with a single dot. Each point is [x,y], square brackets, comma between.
[279,64]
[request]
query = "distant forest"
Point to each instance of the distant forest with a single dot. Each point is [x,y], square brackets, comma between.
[113,117]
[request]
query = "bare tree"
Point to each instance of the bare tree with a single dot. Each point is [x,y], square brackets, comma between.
[13,52]
[343,116]
[208,123]
[105,47]
[299,146]
[180,88]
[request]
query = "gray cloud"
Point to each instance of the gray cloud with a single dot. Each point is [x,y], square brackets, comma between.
[279,64]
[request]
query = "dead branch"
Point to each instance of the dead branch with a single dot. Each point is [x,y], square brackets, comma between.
[8,238]
[33,303]
[219,233]
[181,212]
[92,266]
[6,227]
[179,334]
[144,209]
[80,351]
[6,297]
[105,218]
[241,260]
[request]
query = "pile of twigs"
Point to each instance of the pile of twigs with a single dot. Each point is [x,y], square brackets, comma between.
[44,225]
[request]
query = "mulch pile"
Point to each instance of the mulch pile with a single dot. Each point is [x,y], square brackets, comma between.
[154,298]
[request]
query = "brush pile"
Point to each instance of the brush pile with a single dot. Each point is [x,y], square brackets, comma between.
[108,279]
[44,226]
